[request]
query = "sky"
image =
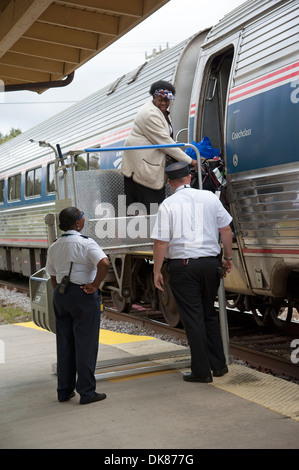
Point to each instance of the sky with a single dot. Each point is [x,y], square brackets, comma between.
[171,24]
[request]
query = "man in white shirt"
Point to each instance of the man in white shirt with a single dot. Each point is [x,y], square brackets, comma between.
[186,232]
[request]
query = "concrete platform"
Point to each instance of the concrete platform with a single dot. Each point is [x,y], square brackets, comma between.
[245,409]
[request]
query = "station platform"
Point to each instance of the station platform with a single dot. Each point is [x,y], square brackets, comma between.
[148,405]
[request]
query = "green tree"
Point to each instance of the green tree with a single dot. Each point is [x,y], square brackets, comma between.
[12,133]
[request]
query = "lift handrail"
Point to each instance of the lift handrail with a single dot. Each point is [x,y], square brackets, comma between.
[134,147]
[137,147]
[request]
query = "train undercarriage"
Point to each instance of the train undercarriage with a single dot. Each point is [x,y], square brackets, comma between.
[130,281]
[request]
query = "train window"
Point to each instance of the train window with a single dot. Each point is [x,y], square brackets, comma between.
[51,178]
[33,182]
[89,161]
[1,191]
[94,161]
[82,162]
[14,187]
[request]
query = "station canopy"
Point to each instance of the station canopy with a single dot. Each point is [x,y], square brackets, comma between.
[43,42]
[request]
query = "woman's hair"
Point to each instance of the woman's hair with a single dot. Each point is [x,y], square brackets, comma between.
[68,217]
[161,84]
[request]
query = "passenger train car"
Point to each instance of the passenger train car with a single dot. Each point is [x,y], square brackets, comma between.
[236,83]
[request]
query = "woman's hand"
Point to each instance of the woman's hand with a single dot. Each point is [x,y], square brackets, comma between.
[102,269]
[194,163]
[89,288]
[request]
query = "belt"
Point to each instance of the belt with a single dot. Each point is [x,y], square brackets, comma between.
[200,257]
[186,260]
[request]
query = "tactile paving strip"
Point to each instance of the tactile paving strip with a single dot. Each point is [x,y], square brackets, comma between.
[271,392]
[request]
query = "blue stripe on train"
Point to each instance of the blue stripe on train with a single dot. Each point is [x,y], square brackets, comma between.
[262,131]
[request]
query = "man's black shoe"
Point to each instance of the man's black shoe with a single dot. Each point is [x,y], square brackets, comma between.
[71,395]
[189,377]
[220,372]
[94,398]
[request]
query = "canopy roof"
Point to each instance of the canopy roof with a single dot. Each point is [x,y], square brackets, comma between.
[42,42]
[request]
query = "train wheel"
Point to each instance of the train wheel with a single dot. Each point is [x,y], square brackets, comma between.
[275,312]
[122,304]
[237,302]
[168,306]
[261,316]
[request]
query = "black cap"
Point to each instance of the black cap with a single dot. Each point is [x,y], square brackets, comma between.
[177,170]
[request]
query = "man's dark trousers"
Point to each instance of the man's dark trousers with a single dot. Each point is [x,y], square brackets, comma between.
[194,284]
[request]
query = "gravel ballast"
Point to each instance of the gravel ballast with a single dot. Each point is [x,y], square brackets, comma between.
[17,299]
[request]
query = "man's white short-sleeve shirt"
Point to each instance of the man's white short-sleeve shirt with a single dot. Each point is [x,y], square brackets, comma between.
[189,221]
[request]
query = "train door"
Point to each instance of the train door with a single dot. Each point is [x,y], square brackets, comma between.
[211,118]
[211,91]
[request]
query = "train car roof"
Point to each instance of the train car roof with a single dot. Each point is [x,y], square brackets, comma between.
[44,41]
[236,19]
[92,121]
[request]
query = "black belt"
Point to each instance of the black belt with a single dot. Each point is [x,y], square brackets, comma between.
[200,257]
[186,260]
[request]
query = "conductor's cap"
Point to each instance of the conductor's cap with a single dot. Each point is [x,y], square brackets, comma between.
[177,170]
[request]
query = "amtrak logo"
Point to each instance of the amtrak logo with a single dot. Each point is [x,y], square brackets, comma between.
[235,160]
[117,163]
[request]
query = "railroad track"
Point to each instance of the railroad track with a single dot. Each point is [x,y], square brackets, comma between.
[269,349]
[21,287]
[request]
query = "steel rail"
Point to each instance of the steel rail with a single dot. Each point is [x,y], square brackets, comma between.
[253,357]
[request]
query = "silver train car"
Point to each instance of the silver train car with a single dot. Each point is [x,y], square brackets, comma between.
[238,84]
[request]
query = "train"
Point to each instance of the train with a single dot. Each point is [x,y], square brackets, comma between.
[237,84]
